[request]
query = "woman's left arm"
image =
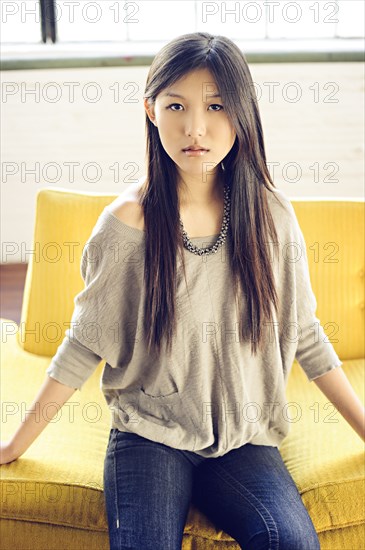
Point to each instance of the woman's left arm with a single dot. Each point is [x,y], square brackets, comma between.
[336,386]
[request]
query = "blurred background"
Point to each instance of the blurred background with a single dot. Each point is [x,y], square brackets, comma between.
[72,82]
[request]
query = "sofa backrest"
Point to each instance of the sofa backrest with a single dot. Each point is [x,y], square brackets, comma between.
[63,223]
[333,230]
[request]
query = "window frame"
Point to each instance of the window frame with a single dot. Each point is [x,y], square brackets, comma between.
[49,53]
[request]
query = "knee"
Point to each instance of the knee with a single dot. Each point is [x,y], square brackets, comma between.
[283,539]
[297,542]
[294,542]
[260,541]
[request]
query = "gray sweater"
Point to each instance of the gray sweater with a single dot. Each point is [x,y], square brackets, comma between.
[210,395]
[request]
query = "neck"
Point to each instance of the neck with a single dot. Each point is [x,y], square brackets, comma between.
[194,192]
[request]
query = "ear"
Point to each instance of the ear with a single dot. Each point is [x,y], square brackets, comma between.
[150,111]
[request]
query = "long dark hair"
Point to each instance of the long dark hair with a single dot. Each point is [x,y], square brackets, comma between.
[245,171]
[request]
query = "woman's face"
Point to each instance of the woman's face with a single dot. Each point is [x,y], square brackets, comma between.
[194,118]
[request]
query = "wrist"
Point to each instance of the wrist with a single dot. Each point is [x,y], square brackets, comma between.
[14,450]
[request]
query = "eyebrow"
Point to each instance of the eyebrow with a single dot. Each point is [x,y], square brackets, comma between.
[172,94]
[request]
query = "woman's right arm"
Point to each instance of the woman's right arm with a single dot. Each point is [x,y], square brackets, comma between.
[35,421]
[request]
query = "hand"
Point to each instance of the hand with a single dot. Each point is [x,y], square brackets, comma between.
[6,452]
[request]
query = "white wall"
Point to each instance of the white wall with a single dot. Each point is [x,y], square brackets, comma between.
[317,139]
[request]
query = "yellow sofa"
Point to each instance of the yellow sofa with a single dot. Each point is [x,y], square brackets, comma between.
[52,496]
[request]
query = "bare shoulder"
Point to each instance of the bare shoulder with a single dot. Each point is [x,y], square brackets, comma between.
[127,208]
[129,212]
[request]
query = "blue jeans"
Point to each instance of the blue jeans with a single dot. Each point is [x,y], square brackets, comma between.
[248,493]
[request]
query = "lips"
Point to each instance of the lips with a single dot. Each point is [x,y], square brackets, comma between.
[195,148]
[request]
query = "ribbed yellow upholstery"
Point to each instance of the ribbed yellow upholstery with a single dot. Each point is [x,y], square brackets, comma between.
[52,497]
[334,234]
[64,221]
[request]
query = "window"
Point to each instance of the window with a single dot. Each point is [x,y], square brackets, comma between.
[97,28]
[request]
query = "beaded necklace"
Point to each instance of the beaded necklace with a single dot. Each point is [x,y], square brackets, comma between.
[222,235]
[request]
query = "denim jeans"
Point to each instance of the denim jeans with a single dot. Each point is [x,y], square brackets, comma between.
[248,493]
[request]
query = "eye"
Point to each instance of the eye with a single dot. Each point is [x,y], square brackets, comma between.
[216,105]
[179,104]
[172,104]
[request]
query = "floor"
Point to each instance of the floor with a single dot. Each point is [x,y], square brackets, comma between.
[12,279]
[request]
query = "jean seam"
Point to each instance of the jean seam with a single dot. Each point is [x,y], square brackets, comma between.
[239,491]
[116,503]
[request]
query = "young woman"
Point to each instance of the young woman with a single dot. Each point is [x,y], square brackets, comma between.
[196,274]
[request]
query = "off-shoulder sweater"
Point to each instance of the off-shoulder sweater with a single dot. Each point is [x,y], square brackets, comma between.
[210,395]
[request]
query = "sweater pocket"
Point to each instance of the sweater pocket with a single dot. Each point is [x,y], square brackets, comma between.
[161,418]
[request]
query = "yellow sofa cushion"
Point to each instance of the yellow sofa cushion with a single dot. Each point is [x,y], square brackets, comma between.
[59,479]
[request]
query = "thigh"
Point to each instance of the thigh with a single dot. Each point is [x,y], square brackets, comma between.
[147,491]
[250,494]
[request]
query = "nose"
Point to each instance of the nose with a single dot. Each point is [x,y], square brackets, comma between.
[195,125]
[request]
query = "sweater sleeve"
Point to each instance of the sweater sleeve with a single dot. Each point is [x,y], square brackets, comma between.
[315,353]
[105,320]
[75,361]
